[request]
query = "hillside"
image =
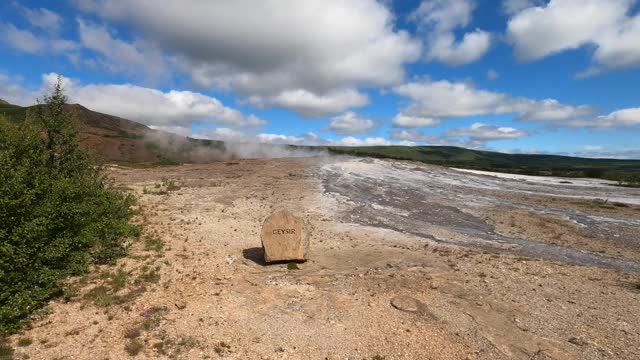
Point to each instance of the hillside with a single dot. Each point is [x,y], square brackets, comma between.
[528,164]
[119,140]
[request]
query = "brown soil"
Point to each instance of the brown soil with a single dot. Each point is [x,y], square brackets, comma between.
[215,298]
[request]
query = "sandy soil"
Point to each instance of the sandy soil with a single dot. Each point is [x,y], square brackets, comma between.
[461,288]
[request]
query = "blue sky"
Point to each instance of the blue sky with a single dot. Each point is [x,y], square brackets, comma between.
[557,76]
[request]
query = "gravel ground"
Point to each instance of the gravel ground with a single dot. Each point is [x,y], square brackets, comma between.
[408,261]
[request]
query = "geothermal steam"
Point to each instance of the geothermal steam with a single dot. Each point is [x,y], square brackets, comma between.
[183,149]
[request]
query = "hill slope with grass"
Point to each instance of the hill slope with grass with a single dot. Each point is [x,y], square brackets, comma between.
[115,139]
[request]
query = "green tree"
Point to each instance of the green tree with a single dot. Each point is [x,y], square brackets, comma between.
[57,211]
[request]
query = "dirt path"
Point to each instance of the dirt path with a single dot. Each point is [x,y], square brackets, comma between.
[195,286]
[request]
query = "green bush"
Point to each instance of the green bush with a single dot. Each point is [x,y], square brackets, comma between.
[631,180]
[57,212]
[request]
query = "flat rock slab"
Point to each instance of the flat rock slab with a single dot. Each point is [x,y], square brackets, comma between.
[412,305]
[406,303]
[284,238]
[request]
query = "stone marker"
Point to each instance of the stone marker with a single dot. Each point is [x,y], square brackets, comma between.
[284,238]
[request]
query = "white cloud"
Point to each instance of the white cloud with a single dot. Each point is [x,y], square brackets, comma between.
[484,132]
[64,46]
[417,136]
[12,92]
[438,19]
[619,48]
[279,139]
[492,74]
[617,119]
[322,47]
[230,135]
[412,135]
[43,18]
[120,56]
[444,99]
[153,107]
[309,104]
[592,147]
[28,42]
[551,110]
[370,141]
[568,24]
[312,138]
[350,123]
[406,121]
[444,16]
[23,40]
[472,47]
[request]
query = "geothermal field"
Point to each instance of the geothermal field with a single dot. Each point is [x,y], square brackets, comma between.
[407,261]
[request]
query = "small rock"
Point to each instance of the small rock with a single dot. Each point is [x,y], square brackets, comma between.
[406,303]
[578,340]
[230,259]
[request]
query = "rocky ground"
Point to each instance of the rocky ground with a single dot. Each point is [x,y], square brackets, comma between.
[408,261]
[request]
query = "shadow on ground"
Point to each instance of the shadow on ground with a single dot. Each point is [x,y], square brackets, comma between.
[255,254]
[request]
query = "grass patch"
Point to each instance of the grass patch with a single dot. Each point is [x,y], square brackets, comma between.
[164,187]
[161,347]
[170,185]
[153,243]
[132,333]
[133,347]
[69,293]
[23,342]
[189,342]
[119,279]
[102,296]
[292,266]
[6,351]
[166,161]
[153,317]
[148,275]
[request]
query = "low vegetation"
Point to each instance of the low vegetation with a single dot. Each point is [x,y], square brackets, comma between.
[133,347]
[23,342]
[162,188]
[6,351]
[221,348]
[57,210]
[153,243]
